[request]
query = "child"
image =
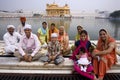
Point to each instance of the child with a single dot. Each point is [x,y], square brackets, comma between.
[94,51]
[54,47]
[82,59]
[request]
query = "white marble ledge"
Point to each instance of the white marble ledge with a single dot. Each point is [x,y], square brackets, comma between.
[15,61]
[8,61]
[113,71]
[37,71]
[12,65]
[46,71]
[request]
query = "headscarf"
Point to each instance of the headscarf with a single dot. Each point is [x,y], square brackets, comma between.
[50,32]
[62,37]
[105,44]
[44,31]
[100,43]
[82,44]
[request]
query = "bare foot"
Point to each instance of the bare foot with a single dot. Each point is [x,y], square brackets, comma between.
[73,71]
[100,78]
[21,59]
[52,62]
[45,63]
[95,78]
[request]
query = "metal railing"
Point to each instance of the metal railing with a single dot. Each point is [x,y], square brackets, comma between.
[6,76]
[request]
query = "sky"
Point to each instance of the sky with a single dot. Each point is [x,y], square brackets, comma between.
[75,5]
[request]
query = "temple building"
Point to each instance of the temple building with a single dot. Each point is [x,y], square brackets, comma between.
[55,10]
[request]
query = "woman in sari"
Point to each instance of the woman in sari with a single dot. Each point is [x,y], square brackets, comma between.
[83,42]
[43,34]
[52,29]
[63,38]
[79,29]
[106,46]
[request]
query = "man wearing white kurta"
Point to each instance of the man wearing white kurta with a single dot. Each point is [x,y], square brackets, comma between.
[29,46]
[11,39]
[20,29]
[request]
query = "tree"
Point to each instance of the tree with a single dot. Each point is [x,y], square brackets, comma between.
[115,14]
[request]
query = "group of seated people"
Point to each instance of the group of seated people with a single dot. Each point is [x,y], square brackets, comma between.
[89,60]
[27,46]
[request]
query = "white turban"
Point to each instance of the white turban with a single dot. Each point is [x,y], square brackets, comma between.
[27,26]
[54,35]
[10,26]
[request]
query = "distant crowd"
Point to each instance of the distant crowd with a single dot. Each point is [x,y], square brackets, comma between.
[90,60]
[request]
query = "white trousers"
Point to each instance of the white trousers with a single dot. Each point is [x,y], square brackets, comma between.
[10,48]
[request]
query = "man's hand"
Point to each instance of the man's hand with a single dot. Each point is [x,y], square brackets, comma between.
[50,57]
[29,58]
[25,57]
[53,57]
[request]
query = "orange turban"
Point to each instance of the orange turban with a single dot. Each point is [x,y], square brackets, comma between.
[23,18]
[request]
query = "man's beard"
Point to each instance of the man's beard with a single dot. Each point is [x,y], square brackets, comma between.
[23,23]
[11,34]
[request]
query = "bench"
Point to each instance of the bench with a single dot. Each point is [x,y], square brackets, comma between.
[12,65]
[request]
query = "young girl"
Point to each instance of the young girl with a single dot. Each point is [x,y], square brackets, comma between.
[82,59]
[83,42]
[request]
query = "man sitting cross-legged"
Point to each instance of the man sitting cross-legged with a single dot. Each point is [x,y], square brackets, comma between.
[29,46]
[11,39]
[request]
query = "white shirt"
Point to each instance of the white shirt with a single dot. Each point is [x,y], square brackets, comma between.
[20,29]
[29,44]
[11,39]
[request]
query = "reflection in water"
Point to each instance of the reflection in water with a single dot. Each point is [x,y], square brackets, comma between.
[116,31]
[92,25]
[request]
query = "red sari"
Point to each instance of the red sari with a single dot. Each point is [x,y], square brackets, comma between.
[53,31]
